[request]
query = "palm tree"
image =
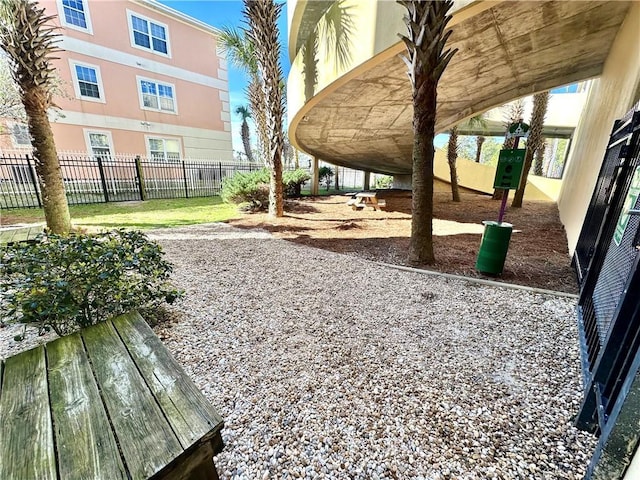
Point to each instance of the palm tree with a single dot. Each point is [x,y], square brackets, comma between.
[29,41]
[452,156]
[535,140]
[426,60]
[514,113]
[452,152]
[480,139]
[241,52]
[262,16]
[244,131]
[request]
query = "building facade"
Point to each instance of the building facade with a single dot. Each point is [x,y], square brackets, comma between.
[140,79]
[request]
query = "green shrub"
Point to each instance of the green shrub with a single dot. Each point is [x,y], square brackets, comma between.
[384,182]
[250,189]
[66,283]
[293,181]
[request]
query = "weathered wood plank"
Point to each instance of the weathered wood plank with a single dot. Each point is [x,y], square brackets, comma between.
[145,437]
[84,440]
[6,236]
[20,234]
[26,433]
[185,407]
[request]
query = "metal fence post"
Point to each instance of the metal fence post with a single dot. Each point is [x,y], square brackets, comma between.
[184,174]
[103,180]
[34,181]
[220,172]
[140,175]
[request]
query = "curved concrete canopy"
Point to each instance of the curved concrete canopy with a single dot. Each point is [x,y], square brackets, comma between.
[513,49]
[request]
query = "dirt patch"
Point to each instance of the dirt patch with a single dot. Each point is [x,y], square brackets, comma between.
[538,255]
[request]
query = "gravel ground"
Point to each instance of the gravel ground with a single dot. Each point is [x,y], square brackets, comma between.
[328,366]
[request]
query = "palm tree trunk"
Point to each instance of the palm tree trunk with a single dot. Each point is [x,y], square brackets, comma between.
[424,122]
[540,101]
[257,100]
[246,141]
[537,166]
[479,141]
[263,32]
[452,156]
[54,199]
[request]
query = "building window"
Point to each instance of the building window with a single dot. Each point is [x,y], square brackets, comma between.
[99,144]
[87,81]
[75,14]
[164,149]
[148,34]
[20,134]
[157,96]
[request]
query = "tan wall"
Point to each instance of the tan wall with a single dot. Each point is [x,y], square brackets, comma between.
[611,97]
[633,472]
[479,177]
[377,24]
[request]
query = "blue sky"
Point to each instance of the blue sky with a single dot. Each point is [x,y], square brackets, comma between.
[228,13]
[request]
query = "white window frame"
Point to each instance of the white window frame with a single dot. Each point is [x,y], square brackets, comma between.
[149,20]
[88,131]
[160,137]
[76,84]
[13,138]
[87,18]
[139,81]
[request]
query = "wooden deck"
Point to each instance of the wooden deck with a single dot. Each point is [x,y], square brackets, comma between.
[106,403]
[19,234]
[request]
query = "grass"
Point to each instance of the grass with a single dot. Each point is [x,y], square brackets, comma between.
[140,215]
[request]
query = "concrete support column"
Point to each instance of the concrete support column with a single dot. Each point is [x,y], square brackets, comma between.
[367,180]
[315,179]
[402,182]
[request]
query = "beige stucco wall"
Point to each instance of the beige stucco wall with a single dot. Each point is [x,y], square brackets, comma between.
[376,25]
[479,177]
[610,98]
[633,472]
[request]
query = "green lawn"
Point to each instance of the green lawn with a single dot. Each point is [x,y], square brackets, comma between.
[140,215]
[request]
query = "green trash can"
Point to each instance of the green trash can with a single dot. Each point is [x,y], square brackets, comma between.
[493,248]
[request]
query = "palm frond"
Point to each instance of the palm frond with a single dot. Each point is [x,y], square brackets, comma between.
[239,49]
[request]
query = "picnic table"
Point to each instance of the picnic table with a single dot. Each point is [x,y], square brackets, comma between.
[366,199]
[108,402]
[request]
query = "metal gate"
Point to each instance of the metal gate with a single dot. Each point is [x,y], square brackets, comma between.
[607,264]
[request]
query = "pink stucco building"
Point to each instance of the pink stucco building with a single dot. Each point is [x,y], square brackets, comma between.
[141,78]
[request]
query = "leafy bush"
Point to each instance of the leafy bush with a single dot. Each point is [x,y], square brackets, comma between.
[66,283]
[293,181]
[250,189]
[384,182]
[325,174]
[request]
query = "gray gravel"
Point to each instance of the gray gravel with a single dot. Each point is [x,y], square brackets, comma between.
[329,366]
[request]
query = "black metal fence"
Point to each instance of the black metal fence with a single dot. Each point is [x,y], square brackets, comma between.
[89,179]
[607,262]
